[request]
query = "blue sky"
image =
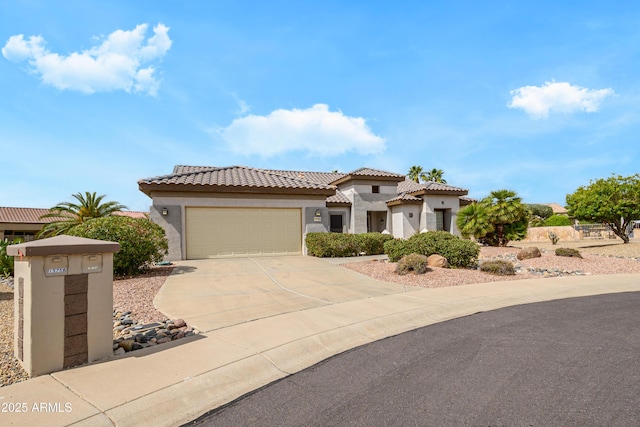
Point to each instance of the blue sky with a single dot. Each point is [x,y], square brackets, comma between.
[539,98]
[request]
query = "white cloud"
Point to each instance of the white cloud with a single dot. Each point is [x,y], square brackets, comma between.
[121,62]
[315,130]
[560,97]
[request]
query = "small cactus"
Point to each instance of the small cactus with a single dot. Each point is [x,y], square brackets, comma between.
[553,237]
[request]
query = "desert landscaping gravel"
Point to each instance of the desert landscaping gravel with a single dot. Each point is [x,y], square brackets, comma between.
[136,294]
[614,259]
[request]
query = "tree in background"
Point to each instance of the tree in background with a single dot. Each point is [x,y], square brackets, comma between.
[614,202]
[416,173]
[69,215]
[495,220]
[435,175]
[539,213]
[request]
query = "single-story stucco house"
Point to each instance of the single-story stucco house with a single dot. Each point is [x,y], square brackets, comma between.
[26,223]
[238,211]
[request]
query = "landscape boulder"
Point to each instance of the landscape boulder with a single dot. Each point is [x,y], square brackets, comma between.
[530,252]
[436,260]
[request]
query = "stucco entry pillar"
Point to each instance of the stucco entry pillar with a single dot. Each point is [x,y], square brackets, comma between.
[63,302]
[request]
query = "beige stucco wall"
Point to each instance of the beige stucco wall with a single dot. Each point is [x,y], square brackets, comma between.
[402,225]
[538,234]
[359,192]
[179,201]
[433,202]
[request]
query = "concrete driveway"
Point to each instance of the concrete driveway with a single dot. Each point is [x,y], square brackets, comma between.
[216,293]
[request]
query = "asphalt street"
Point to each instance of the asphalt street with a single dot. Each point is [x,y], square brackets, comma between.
[572,362]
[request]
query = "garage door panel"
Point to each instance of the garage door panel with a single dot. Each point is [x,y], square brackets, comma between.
[216,232]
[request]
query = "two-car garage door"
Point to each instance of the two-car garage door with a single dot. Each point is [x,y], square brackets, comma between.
[219,232]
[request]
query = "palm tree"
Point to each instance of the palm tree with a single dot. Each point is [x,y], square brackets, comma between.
[473,220]
[416,173]
[504,208]
[68,215]
[435,175]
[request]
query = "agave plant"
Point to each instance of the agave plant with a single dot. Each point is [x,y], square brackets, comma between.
[68,215]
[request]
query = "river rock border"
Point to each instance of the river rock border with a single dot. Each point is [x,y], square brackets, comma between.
[544,272]
[130,335]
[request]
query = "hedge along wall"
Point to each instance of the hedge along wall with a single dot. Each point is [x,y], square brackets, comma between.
[541,234]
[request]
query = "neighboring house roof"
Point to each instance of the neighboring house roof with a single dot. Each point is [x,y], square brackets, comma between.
[32,215]
[240,179]
[24,215]
[132,214]
[464,201]
[557,209]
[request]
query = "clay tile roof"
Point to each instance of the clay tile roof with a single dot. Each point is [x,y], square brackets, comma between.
[557,208]
[325,178]
[404,198]
[410,186]
[132,214]
[338,199]
[24,215]
[374,173]
[232,178]
[32,215]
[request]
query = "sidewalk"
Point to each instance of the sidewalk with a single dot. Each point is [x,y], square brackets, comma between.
[175,383]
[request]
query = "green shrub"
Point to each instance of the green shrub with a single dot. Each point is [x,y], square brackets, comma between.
[557,221]
[372,243]
[6,261]
[459,252]
[498,267]
[332,245]
[142,242]
[569,252]
[412,262]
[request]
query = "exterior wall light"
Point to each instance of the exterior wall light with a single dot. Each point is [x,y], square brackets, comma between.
[318,214]
[165,212]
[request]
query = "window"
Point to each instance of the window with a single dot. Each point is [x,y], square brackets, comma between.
[335,223]
[375,188]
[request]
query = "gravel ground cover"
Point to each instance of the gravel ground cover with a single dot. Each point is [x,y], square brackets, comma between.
[598,258]
[136,294]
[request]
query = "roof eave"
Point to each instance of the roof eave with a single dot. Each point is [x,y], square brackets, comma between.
[347,178]
[148,188]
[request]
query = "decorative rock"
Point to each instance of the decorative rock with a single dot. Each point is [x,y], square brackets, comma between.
[527,253]
[127,345]
[437,261]
[130,335]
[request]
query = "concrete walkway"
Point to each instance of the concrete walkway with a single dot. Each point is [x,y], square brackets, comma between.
[286,331]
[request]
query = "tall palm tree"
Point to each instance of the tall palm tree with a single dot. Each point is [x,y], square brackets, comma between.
[416,173]
[68,215]
[435,175]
